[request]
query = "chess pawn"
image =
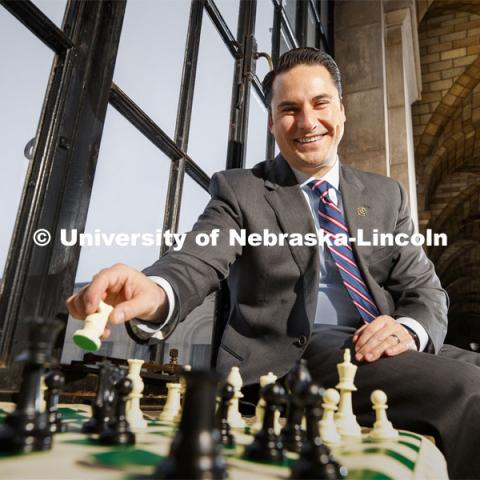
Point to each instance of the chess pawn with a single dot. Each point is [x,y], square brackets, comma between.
[260,408]
[178,416]
[327,427]
[172,405]
[43,390]
[118,430]
[88,337]
[267,446]
[345,420]
[133,412]
[382,428]
[234,417]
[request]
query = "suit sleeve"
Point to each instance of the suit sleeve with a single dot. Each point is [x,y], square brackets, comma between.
[414,284]
[196,271]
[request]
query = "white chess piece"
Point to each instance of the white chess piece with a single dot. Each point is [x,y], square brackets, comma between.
[345,420]
[133,411]
[382,428]
[260,408]
[327,427]
[234,417]
[43,390]
[183,386]
[172,405]
[88,337]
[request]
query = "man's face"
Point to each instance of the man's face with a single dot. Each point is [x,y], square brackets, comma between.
[307,118]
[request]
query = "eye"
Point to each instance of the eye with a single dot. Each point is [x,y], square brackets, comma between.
[322,104]
[289,109]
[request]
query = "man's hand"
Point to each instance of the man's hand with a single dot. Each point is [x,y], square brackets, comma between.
[382,336]
[130,292]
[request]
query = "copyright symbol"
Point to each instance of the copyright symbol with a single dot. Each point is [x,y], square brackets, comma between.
[42,237]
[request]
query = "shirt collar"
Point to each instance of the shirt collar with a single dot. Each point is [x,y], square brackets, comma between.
[332,176]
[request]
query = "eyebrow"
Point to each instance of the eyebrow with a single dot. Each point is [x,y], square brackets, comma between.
[290,103]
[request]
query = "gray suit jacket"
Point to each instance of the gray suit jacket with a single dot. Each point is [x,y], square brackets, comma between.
[274,289]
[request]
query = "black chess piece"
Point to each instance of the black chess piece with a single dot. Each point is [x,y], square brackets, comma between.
[118,430]
[54,381]
[292,433]
[26,429]
[226,394]
[315,461]
[196,451]
[103,407]
[267,446]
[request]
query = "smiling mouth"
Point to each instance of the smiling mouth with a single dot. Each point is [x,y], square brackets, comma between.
[305,140]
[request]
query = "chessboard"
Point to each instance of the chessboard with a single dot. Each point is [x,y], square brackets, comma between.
[77,456]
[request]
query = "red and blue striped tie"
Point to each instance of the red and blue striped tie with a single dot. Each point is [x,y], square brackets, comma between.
[333,223]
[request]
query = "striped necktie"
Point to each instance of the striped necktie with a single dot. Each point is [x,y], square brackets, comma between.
[333,223]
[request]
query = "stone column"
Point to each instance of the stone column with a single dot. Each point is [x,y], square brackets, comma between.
[360,53]
[403,84]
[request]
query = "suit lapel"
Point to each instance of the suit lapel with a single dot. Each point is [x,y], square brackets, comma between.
[291,210]
[355,196]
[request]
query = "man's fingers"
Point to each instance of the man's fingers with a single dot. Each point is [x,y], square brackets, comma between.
[138,306]
[392,341]
[359,331]
[106,333]
[370,330]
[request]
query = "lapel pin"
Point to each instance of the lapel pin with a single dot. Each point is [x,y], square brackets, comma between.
[362,211]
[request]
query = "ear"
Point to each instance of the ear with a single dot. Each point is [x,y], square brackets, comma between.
[342,111]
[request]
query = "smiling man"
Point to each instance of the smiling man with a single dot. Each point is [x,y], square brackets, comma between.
[289,302]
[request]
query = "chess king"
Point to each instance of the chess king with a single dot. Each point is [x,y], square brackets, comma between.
[290,302]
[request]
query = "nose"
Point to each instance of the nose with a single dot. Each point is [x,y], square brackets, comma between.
[307,119]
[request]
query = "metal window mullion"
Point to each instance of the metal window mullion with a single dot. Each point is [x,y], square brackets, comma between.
[39,24]
[59,185]
[222,28]
[184,114]
[243,76]
[147,127]
[301,22]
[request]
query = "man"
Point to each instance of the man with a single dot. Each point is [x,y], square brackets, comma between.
[385,303]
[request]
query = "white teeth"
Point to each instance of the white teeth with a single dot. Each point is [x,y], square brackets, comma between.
[309,139]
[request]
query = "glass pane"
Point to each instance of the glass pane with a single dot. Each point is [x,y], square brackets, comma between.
[128,198]
[263,34]
[26,64]
[194,201]
[290,9]
[150,57]
[311,29]
[229,10]
[53,9]
[211,102]
[257,131]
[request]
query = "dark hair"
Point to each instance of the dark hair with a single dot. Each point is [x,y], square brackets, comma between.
[302,56]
